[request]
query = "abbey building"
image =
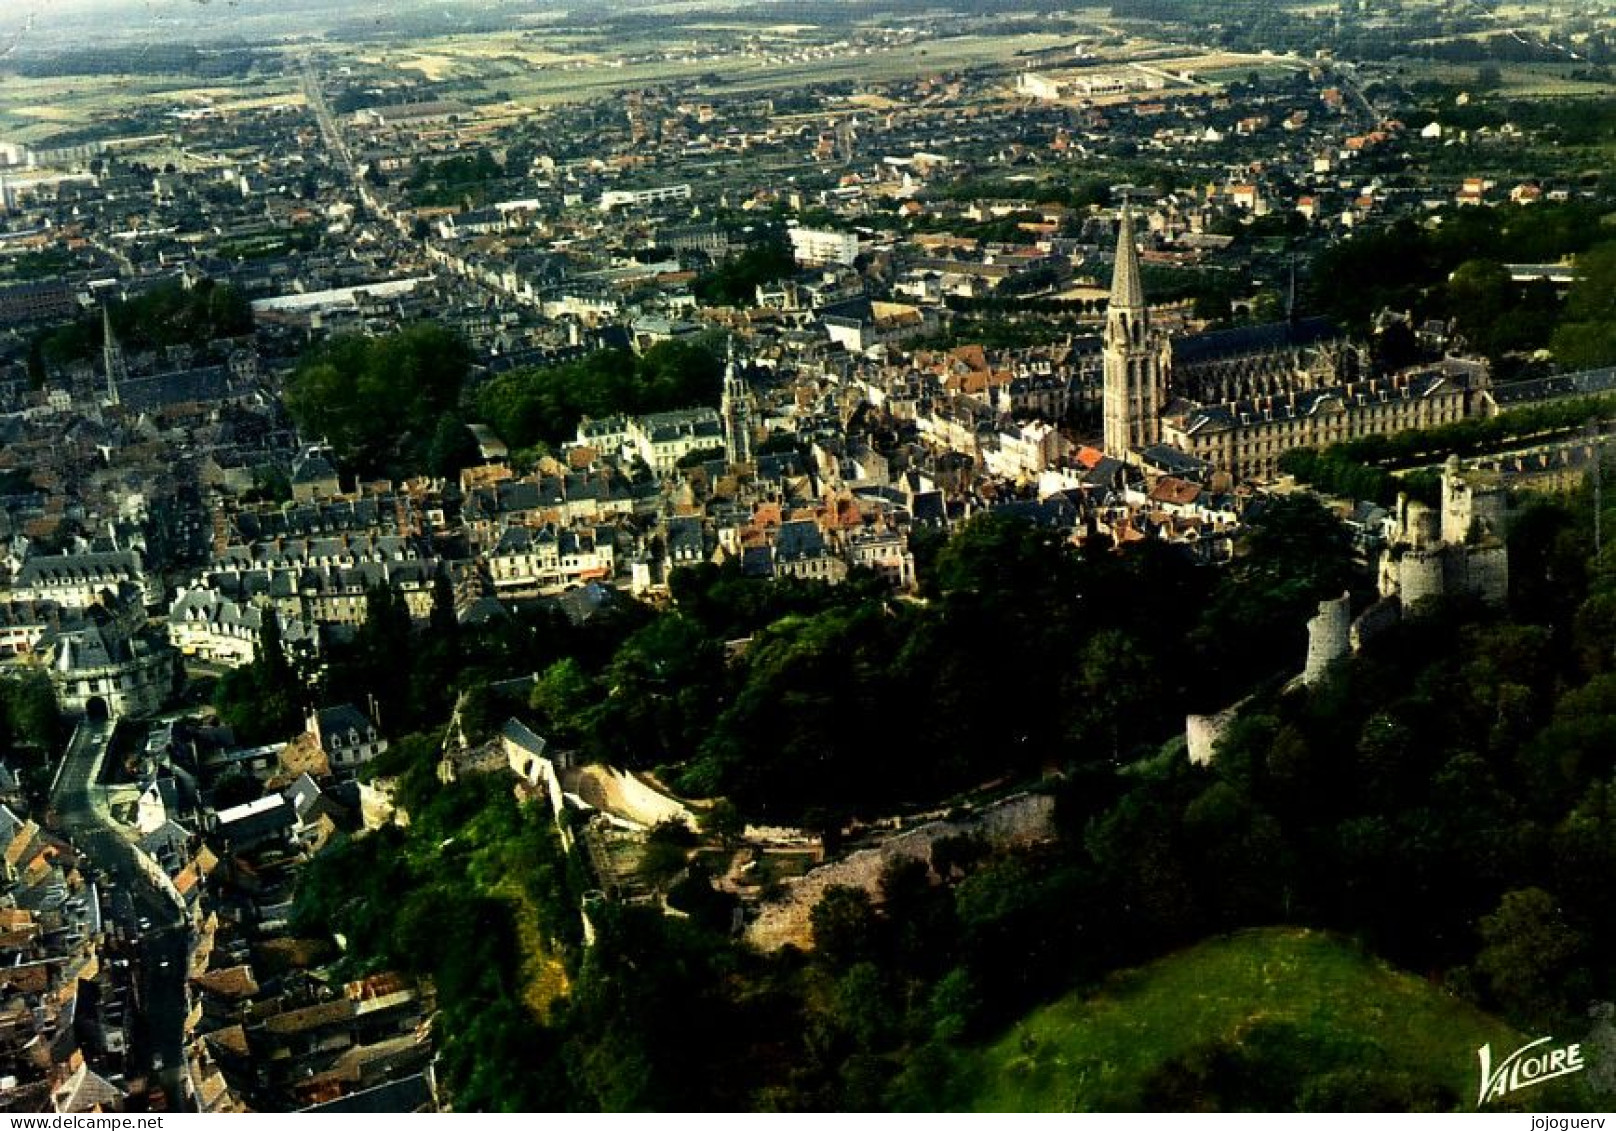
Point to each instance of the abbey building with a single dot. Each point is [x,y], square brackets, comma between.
[1239,399]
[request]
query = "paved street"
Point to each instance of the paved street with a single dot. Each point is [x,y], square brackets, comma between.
[80,813]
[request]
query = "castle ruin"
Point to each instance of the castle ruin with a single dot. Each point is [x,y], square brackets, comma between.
[1453,551]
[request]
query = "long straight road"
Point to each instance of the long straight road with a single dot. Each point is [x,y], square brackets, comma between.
[79,809]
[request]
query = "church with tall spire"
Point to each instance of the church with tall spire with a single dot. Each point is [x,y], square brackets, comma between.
[1235,400]
[1135,357]
[112,359]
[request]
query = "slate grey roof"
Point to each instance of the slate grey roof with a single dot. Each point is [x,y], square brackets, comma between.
[145,393]
[1235,414]
[1587,383]
[1240,341]
[108,565]
[346,723]
[799,541]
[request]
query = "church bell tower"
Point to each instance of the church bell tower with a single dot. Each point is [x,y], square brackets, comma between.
[736,410]
[1135,376]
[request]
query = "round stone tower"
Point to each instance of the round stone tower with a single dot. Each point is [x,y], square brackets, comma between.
[1329,637]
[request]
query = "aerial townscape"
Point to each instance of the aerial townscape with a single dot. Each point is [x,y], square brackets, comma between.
[867,555]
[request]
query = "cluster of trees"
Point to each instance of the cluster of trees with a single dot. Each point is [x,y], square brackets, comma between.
[998,333]
[48,263]
[262,701]
[31,727]
[171,314]
[388,405]
[461,182]
[1358,469]
[1082,194]
[1586,336]
[543,406]
[1455,270]
[1566,124]
[1470,436]
[447,900]
[811,724]
[1334,473]
[397,405]
[1444,796]
[734,281]
[28,713]
[412,674]
[147,59]
[847,685]
[1586,121]
[297,241]
[1218,295]
[1497,316]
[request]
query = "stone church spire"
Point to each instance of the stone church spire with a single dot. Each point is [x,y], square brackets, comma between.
[1127,291]
[112,357]
[1135,358]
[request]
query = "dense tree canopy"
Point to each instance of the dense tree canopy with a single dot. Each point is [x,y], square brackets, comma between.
[1587,336]
[380,401]
[533,406]
[1453,269]
[171,314]
[461,181]
[264,700]
[735,281]
[28,712]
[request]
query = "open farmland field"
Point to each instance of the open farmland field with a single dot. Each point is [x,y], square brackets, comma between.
[36,111]
[473,55]
[1522,80]
[551,65]
[732,72]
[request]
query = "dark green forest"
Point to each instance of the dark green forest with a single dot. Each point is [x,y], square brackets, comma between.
[543,406]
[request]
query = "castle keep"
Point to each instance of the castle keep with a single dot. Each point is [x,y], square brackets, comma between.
[1456,550]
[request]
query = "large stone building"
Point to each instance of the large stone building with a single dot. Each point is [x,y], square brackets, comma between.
[1239,399]
[1247,437]
[77,581]
[210,626]
[100,671]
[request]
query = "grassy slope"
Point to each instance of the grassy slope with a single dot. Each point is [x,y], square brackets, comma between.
[1093,1052]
